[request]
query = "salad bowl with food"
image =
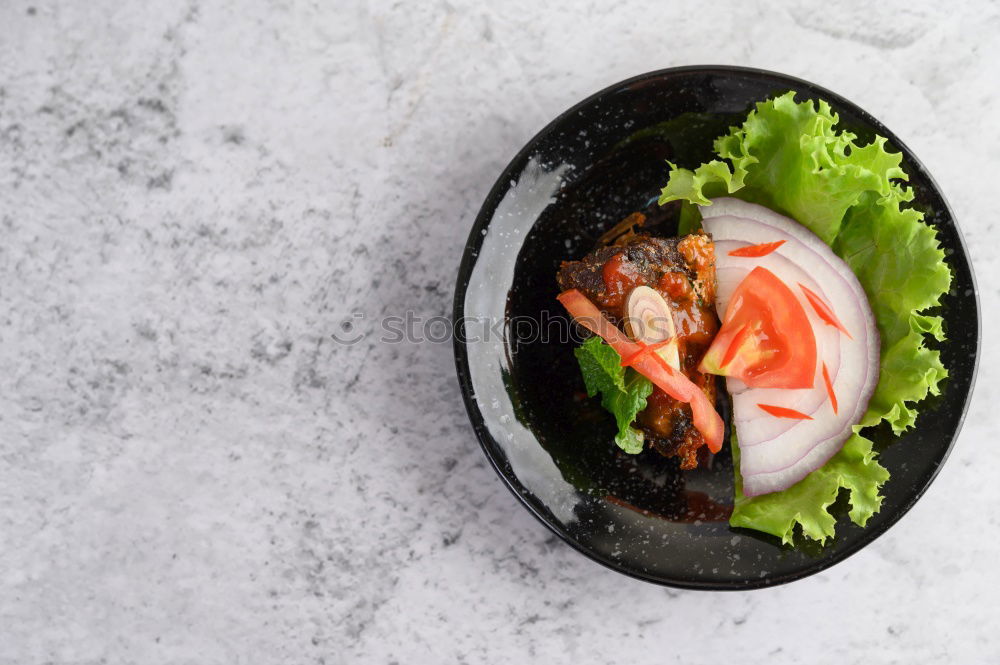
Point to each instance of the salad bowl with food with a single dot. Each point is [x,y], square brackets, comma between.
[716,327]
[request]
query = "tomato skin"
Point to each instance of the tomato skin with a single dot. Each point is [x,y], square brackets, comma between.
[766,339]
[738,341]
[783,412]
[829,389]
[756,251]
[645,349]
[823,310]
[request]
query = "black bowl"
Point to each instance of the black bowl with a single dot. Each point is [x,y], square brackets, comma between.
[639,515]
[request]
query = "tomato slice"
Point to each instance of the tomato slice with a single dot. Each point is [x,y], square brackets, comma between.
[766,339]
[651,365]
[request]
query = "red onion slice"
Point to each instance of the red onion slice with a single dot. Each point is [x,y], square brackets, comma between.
[775,453]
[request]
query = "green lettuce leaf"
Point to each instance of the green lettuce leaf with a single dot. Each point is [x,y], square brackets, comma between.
[807,502]
[623,391]
[790,157]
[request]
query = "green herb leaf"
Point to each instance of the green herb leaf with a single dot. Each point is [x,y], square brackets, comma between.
[623,390]
[789,156]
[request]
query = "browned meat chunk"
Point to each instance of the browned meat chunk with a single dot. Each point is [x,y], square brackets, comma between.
[682,270]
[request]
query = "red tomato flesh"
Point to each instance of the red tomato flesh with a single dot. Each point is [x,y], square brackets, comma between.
[765,339]
[829,389]
[784,412]
[824,311]
[755,251]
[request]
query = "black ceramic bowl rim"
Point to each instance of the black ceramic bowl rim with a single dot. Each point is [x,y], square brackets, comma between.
[484,218]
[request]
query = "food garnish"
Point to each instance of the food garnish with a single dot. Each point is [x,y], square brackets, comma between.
[784,412]
[652,366]
[650,322]
[661,293]
[623,391]
[789,157]
[763,249]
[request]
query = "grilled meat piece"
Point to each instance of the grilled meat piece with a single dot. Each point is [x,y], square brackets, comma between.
[608,274]
[682,270]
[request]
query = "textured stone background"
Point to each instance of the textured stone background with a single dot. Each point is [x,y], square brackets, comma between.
[194,196]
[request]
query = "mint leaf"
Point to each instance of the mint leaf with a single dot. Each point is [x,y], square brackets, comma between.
[601,367]
[623,390]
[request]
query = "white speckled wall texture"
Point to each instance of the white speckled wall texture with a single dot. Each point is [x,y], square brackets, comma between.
[193,197]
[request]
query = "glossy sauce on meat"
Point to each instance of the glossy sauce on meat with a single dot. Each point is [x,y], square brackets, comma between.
[682,270]
[620,277]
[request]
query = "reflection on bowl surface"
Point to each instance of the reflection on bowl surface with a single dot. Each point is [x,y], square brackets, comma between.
[595,164]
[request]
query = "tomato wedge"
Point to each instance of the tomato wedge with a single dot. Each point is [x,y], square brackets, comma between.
[674,383]
[766,339]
